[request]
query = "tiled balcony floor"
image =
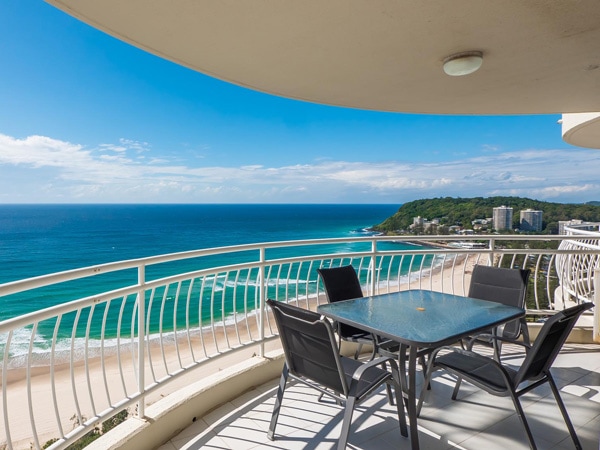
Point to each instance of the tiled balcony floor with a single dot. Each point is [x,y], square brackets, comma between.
[476,421]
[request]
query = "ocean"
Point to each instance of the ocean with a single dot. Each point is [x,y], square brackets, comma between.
[42,239]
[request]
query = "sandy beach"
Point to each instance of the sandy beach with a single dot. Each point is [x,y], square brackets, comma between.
[105,381]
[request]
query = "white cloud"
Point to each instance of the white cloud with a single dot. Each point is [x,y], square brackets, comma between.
[42,169]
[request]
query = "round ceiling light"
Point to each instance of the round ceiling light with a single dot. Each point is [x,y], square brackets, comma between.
[463,63]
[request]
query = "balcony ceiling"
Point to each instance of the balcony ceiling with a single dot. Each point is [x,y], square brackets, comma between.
[539,56]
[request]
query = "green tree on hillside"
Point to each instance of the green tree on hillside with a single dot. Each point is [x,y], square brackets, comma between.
[462,211]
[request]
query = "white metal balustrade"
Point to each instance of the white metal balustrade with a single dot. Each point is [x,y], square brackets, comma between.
[84,361]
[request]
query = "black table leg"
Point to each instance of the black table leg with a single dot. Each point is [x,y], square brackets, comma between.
[408,377]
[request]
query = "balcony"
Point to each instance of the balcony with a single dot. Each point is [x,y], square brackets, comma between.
[204,340]
[476,421]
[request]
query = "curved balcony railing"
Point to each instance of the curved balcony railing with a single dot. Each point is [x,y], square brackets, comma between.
[69,367]
[576,271]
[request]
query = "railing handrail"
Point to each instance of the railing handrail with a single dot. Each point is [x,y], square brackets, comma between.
[74,274]
[83,272]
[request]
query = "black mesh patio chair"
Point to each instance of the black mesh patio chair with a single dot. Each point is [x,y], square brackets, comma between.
[503,381]
[342,283]
[506,286]
[312,358]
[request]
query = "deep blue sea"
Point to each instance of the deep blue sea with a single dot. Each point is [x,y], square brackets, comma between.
[41,239]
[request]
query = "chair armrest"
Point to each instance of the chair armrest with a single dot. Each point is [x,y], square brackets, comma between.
[492,337]
[357,375]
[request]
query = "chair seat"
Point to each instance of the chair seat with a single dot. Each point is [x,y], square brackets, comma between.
[478,369]
[359,336]
[373,376]
[500,380]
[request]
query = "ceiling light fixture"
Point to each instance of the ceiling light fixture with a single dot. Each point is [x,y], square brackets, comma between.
[463,63]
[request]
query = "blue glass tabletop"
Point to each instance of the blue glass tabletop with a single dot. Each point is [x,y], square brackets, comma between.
[420,317]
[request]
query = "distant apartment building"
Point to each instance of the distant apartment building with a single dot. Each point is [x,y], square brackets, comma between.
[424,224]
[531,220]
[502,218]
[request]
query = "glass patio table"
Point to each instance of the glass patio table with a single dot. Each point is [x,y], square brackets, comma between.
[420,321]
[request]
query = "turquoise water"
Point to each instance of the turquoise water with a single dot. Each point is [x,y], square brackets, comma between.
[42,239]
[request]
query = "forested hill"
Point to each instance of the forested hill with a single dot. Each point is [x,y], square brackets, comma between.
[461,211]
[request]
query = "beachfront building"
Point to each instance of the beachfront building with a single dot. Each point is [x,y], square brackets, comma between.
[421,224]
[480,224]
[531,220]
[502,218]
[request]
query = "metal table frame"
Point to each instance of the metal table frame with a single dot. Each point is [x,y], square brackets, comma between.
[420,321]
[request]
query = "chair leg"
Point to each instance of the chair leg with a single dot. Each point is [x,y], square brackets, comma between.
[388,388]
[564,413]
[343,440]
[373,351]
[426,384]
[400,409]
[358,349]
[456,388]
[497,345]
[278,401]
[521,415]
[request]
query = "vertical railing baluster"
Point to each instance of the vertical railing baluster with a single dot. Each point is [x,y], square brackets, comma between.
[373,266]
[200,324]
[79,416]
[246,290]
[175,325]
[235,290]
[213,290]
[52,377]
[102,359]
[160,328]
[86,359]
[307,285]
[141,406]
[29,394]
[4,389]
[224,310]
[119,360]
[188,326]
[262,301]
[147,334]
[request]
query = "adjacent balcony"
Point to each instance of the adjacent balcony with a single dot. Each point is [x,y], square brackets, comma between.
[197,359]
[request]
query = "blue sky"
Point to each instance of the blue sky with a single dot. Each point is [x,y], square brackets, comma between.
[85,118]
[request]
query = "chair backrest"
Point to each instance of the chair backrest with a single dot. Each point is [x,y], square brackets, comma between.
[341,283]
[548,343]
[309,345]
[501,285]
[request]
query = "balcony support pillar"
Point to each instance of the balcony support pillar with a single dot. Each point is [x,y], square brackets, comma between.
[141,407]
[596,331]
[262,292]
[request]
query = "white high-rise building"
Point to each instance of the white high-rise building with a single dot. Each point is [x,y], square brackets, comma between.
[531,220]
[502,218]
